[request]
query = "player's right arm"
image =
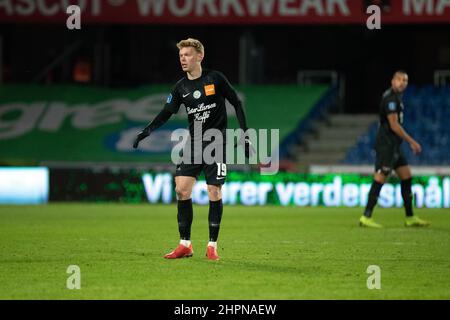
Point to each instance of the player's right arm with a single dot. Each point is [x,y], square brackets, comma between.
[398,130]
[172,106]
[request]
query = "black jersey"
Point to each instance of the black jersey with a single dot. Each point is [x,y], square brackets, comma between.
[204,100]
[391,102]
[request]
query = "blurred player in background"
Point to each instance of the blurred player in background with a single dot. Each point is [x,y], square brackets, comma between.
[203,93]
[388,154]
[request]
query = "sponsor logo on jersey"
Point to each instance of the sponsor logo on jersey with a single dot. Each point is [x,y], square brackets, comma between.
[210,90]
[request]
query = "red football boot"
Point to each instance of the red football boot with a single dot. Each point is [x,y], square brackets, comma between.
[211,253]
[180,252]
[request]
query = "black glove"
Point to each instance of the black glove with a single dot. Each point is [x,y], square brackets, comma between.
[141,136]
[249,150]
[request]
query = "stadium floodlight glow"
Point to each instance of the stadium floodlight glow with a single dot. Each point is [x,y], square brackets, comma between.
[22,185]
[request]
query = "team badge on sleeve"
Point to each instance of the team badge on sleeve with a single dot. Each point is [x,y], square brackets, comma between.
[392,106]
[169,98]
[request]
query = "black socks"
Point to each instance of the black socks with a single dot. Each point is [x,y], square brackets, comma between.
[373,198]
[214,218]
[185,216]
[407,196]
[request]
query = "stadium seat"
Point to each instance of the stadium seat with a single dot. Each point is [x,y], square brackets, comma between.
[426,114]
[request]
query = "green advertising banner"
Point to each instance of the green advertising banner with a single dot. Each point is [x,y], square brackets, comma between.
[245,188]
[41,124]
[289,189]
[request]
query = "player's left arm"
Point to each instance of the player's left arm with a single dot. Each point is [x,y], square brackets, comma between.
[401,132]
[230,94]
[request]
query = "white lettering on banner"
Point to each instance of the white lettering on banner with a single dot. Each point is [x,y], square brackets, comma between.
[50,117]
[446,193]
[386,199]
[200,193]
[422,7]
[67,3]
[311,4]
[159,187]
[316,188]
[215,8]
[364,194]
[301,194]
[230,192]
[285,8]
[210,6]
[433,195]
[96,7]
[284,192]
[27,8]
[343,7]
[254,7]
[418,6]
[6,6]
[350,194]
[398,196]
[181,11]
[155,7]
[47,10]
[29,115]
[102,114]
[441,6]
[316,7]
[56,113]
[226,5]
[332,193]
[418,192]
[249,193]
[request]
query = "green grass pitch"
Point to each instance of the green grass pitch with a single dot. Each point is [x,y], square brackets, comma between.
[266,253]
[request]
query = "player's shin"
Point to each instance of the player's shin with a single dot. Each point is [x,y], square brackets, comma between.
[407,196]
[373,198]
[185,216]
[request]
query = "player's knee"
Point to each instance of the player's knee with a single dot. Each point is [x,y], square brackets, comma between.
[385,171]
[214,193]
[183,193]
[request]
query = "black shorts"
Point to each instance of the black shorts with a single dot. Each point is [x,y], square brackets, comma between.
[389,158]
[215,173]
[215,169]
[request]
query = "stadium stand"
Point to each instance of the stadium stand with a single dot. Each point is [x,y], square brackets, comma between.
[427,111]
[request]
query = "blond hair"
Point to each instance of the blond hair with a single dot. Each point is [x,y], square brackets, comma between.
[194,43]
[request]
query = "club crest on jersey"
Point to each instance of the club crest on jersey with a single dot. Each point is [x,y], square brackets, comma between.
[197,94]
[210,90]
[392,106]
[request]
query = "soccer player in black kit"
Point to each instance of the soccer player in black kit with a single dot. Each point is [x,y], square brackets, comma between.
[203,93]
[388,154]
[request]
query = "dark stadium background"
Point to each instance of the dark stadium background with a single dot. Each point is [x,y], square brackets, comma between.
[147,54]
[73,101]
